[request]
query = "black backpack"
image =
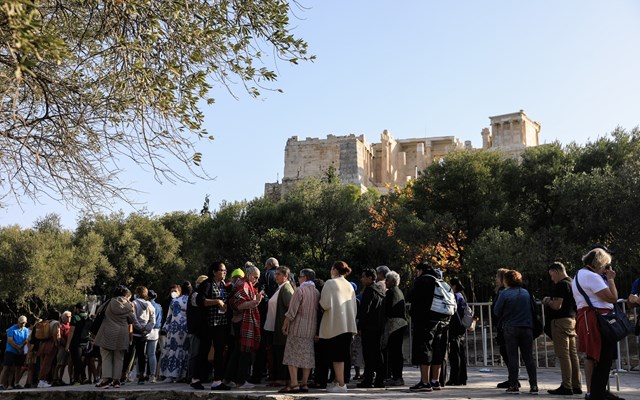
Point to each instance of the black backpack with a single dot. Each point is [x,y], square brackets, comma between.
[97,322]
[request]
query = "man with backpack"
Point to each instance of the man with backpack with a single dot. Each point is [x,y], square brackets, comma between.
[432,305]
[457,329]
[47,333]
[370,322]
[79,339]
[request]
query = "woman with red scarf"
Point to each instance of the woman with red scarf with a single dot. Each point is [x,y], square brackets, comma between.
[246,326]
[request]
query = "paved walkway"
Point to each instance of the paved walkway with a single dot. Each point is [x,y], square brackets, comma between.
[481,385]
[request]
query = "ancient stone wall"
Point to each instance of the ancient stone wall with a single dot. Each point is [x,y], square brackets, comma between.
[392,161]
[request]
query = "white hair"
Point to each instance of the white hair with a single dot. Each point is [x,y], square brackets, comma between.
[393,276]
[253,270]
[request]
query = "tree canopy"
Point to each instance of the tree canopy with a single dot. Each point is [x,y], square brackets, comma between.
[470,214]
[87,84]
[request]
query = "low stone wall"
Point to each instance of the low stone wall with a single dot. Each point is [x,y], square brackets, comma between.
[111,394]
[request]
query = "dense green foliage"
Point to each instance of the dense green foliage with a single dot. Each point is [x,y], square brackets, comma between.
[470,213]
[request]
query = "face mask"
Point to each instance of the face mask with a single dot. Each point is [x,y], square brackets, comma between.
[174,295]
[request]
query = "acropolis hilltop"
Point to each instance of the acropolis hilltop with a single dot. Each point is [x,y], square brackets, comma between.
[392,161]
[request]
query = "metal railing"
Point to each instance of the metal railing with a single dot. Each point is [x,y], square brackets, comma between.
[482,351]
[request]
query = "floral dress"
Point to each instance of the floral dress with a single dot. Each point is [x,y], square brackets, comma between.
[174,360]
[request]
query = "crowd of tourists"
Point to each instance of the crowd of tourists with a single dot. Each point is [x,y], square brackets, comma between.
[305,333]
[572,309]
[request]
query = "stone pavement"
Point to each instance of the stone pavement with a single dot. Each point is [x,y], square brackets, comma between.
[481,385]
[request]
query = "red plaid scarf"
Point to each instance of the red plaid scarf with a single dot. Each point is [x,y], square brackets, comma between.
[250,325]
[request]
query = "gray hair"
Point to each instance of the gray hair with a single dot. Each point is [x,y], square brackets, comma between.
[68,313]
[309,274]
[271,262]
[382,270]
[252,270]
[248,264]
[393,276]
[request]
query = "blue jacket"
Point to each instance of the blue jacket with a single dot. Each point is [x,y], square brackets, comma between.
[158,309]
[513,307]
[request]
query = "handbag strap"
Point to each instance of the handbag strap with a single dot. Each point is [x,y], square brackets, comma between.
[586,298]
[532,304]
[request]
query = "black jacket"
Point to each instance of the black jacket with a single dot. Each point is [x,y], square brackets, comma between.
[371,312]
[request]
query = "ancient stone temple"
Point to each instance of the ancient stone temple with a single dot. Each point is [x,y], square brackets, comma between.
[392,161]
[511,133]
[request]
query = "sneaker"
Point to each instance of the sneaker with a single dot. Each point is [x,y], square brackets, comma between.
[421,387]
[141,381]
[221,386]
[215,383]
[338,389]
[503,385]
[43,384]
[152,379]
[2,387]
[18,387]
[197,385]
[513,390]
[577,390]
[102,384]
[116,384]
[533,389]
[561,391]
[436,385]
[247,386]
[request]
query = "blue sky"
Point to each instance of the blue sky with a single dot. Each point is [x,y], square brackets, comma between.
[416,68]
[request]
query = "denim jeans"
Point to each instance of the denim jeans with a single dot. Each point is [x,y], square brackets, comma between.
[152,345]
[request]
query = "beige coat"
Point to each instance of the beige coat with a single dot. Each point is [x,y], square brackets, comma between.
[338,300]
[114,331]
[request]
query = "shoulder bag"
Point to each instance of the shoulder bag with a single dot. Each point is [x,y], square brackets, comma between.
[614,325]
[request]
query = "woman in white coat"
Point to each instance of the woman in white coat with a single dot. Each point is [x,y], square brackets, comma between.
[338,324]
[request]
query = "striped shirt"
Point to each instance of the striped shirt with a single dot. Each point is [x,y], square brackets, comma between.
[303,311]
